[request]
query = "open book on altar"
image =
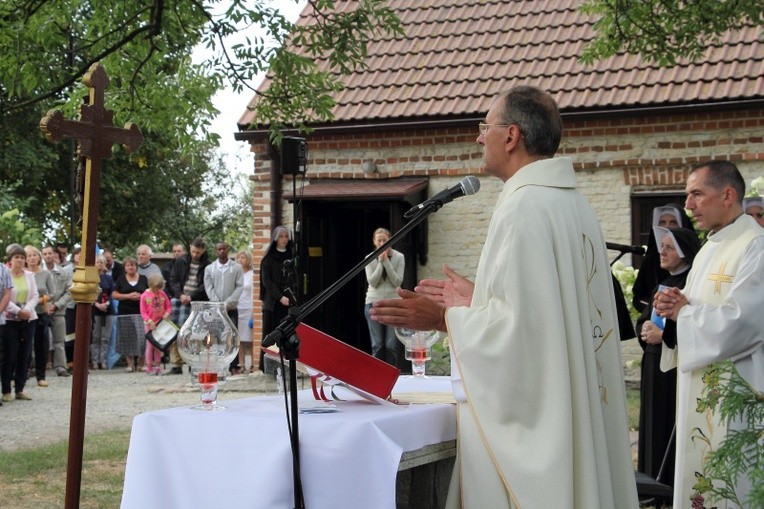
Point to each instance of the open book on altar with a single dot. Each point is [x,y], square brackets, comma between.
[328,359]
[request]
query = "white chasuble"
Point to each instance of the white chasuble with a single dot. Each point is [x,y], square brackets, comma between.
[723,320]
[542,412]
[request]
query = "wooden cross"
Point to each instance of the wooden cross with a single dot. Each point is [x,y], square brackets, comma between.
[719,278]
[96,133]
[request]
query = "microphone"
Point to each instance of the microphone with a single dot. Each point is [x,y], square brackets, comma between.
[469,185]
[636,250]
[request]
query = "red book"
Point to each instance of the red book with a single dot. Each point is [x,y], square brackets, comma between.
[349,365]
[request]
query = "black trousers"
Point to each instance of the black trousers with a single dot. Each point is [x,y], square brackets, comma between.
[17,338]
[233,314]
[41,346]
[271,320]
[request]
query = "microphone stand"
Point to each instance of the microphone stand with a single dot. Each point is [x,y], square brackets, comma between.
[632,250]
[286,338]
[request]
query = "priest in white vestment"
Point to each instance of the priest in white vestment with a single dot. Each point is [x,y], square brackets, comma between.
[534,345]
[719,315]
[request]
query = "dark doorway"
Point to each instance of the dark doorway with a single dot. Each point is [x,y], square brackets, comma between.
[642,205]
[335,237]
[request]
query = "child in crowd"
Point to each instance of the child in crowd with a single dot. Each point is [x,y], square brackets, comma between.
[155,306]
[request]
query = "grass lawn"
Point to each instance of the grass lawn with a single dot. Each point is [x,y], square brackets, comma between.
[632,407]
[37,477]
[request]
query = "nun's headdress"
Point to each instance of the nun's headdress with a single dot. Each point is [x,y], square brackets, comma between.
[666,209]
[275,235]
[278,231]
[753,201]
[686,241]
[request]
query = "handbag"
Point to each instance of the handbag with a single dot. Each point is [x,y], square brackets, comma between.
[163,335]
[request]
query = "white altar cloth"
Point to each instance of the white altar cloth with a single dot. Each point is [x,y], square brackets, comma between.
[240,457]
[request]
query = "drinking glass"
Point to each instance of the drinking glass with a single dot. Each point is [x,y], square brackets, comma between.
[418,346]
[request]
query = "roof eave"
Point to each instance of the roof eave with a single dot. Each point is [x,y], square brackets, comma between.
[424,123]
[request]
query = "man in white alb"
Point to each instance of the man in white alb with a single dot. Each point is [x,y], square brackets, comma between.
[535,351]
[719,315]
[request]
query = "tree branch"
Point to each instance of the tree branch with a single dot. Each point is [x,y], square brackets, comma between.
[133,91]
[27,10]
[157,10]
[229,62]
[81,71]
[90,44]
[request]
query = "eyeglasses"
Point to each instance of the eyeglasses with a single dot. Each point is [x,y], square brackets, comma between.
[483,128]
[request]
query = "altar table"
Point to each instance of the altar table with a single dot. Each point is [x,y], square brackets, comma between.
[240,457]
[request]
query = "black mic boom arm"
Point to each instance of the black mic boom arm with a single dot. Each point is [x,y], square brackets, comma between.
[635,250]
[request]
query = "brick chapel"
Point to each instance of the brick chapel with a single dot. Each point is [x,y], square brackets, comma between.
[405,127]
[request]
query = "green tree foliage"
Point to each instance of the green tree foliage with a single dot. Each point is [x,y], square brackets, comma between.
[166,190]
[14,227]
[741,452]
[237,228]
[168,197]
[663,31]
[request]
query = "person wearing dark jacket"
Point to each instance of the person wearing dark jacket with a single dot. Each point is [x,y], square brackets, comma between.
[113,268]
[178,250]
[187,286]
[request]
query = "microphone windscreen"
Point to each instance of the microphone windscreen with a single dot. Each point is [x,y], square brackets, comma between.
[470,185]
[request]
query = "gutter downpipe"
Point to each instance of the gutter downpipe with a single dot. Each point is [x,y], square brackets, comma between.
[275,191]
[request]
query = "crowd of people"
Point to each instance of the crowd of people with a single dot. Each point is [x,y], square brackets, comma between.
[37,311]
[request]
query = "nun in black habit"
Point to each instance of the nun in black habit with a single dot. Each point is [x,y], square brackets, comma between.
[670,215]
[677,249]
[277,290]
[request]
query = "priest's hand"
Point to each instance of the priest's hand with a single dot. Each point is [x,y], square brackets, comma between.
[668,303]
[454,291]
[412,311]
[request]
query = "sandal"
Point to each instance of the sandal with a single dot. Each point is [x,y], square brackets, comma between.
[129,369]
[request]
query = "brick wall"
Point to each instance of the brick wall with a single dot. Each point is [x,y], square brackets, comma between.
[613,158]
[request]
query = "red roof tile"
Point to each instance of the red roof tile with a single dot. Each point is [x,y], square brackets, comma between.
[458,54]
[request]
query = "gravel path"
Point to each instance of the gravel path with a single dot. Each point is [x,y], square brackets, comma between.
[114,398]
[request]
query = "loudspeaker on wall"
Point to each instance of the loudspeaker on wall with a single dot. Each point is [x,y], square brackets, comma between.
[294,155]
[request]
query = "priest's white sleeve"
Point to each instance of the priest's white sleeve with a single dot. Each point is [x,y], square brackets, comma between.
[732,330]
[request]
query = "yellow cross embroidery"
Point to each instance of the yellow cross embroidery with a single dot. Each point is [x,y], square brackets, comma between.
[719,278]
